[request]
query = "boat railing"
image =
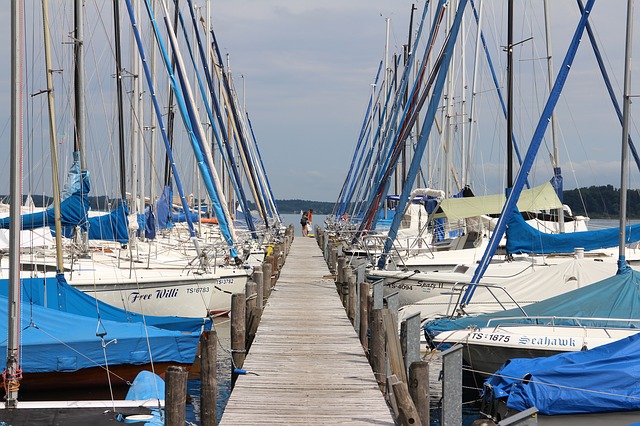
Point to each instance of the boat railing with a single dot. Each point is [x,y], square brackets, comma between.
[494,290]
[568,321]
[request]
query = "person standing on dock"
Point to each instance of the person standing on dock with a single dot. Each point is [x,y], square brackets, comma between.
[304,220]
[310,222]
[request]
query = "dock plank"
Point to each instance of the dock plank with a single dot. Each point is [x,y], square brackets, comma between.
[306,365]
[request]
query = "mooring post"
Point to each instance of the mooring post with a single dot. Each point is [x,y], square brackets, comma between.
[340,278]
[266,280]
[378,294]
[258,278]
[208,378]
[408,414]
[238,332]
[377,353]
[352,301]
[364,315]
[393,304]
[419,388]
[410,339]
[175,396]
[394,351]
[452,386]
[252,313]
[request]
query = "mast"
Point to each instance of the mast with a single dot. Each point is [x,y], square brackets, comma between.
[624,167]
[171,110]
[557,174]
[135,126]
[474,83]
[153,122]
[80,107]
[510,95]
[12,380]
[52,138]
[118,52]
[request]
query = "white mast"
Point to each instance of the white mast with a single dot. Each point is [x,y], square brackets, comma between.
[626,109]
[52,137]
[556,154]
[13,341]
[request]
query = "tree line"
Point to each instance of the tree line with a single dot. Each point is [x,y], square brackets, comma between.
[597,202]
[602,202]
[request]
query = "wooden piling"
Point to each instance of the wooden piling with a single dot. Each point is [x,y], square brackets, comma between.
[352,305]
[266,280]
[340,278]
[407,413]
[208,378]
[393,346]
[175,396]
[419,389]
[259,280]
[364,315]
[252,313]
[238,331]
[377,352]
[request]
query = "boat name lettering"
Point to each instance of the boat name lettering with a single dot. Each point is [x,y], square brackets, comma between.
[548,341]
[166,293]
[159,294]
[430,284]
[193,290]
[494,337]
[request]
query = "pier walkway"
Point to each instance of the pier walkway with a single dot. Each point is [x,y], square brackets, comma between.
[306,365]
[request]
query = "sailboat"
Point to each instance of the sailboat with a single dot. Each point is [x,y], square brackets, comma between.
[47,348]
[596,327]
[161,277]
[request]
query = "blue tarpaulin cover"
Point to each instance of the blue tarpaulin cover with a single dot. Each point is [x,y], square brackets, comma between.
[112,226]
[73,211]
[55,341]
[523,238]
[614,297]
[602,379]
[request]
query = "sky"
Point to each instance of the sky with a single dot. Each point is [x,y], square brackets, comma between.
[304,72]
[309,66]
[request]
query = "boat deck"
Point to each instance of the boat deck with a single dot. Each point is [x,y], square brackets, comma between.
[306,364]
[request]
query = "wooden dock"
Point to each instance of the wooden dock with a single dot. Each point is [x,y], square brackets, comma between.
[306,364]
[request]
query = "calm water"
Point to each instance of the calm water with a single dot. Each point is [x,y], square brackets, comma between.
[222,326]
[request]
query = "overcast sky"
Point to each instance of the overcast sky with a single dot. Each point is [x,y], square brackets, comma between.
[308,67]
[305,70]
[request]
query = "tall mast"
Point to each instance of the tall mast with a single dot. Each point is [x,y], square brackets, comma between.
[121,156]
[624,167]
[556,155]
[135,123]
[12,380]
[510,95]
[52,137]
[152,122]
[80,107]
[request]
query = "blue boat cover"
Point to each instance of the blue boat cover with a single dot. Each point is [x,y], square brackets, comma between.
[614,297]
[523,238]
[110,227]
[602,379]
[163,209]
[54,341]
[56,293]
[73,211]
